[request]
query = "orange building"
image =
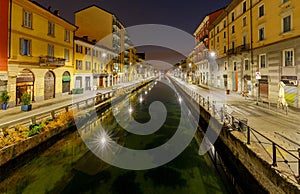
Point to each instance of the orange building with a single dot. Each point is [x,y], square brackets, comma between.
[4,11]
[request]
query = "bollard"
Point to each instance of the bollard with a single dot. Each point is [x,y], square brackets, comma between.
[274,154]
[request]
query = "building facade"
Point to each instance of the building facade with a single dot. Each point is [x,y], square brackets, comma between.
[256,45]
[90,65]
[41,52]
[201,55]
[4,18]
[104,28]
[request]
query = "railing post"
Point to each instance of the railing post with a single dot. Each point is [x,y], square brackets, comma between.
[53,114]
[67,108]
[207,102]
[299,163]
[248,135]
[274,154]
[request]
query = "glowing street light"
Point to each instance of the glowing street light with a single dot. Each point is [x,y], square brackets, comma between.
[212,54]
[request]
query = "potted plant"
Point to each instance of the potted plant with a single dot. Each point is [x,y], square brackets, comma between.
[4,99]
[26,102]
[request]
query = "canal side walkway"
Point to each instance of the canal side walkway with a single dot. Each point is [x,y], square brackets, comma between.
[275,124]
[13,113]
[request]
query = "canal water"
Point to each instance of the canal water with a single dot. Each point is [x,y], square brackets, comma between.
[69,167]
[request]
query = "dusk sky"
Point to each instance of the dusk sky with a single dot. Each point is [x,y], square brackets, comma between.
[185,15]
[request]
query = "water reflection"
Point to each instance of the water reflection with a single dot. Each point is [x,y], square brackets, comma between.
[69,167]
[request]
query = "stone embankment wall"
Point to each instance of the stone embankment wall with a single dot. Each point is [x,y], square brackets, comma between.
[251,172]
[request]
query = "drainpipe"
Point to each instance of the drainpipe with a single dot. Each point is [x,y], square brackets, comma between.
[9,39]
[251,47]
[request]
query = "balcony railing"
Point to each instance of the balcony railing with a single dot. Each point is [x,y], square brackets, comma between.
[244,47]
[239,49]
[52,61]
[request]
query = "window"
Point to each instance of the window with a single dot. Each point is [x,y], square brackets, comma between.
[25,47]
[224,24]
[87,65]
[232,44]
[288,57]
[261,11]
[246,64]
[27,19]
[88,51]
[232,16]
[244,6]
[78,48]
[233,29]
[67,35]
[51,28]
[284,1]
[212,43]
[217,29]
[262,61]
[225,65]
[287,24]
[67,55]
[225,49]
[244,40]
[50,50]
[217,38]
[224,34]
[234,66]
[244,21]
[78,65]
[95,53]
[261,34]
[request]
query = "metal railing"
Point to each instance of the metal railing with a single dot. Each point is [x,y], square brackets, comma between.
[278,153]
[79,105]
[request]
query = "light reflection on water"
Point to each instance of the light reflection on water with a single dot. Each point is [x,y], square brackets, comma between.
[68,166]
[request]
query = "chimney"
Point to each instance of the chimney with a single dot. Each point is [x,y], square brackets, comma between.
[85,37]
[49,8]
[57,12]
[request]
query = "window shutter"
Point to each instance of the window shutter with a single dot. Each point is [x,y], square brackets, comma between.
[21,46]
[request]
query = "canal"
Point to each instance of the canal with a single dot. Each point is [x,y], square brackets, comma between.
[68,166]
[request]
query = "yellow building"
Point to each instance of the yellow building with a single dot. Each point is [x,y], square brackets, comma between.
[90,65]
[259,37]
[104,28]
[41,52]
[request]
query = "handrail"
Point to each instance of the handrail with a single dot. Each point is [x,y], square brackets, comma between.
[210,106]
[51,112]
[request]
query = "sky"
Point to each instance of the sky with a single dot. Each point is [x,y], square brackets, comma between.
[185,15]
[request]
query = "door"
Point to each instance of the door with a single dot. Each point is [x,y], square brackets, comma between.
[49,85]
[66,82]
[263,89]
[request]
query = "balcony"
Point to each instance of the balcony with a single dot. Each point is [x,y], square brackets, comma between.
[242,48]
[52,61]
[231,51]
[99,73]
[239,49]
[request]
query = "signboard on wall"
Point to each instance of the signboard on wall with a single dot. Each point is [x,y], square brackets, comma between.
[258,75]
